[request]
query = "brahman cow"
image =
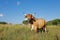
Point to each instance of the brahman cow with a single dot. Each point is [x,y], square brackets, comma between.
[37,24]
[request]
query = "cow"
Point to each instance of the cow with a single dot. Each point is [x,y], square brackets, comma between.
[37,24]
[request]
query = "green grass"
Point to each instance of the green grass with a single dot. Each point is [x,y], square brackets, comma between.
[20,32]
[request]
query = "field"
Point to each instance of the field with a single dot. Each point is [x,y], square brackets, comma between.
[21,32]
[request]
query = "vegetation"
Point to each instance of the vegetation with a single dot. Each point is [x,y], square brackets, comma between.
[54,22]
[25,22]
[3,23]
[20,32]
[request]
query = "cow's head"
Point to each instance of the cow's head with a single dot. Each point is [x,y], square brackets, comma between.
[28,16]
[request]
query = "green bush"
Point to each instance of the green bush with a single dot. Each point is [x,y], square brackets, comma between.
[25,22]
[3,23]
[54,22]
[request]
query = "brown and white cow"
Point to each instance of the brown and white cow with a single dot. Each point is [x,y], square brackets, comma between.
[36,23]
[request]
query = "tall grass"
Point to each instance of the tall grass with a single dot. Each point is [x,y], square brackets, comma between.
[20,32]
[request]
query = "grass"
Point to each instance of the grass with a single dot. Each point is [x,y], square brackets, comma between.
[20,32]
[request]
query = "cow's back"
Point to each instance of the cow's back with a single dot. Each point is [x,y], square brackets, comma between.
[40,22]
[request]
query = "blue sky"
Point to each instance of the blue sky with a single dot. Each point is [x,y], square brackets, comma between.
[13,11]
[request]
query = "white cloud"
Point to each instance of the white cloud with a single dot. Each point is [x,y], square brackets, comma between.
[1,15]
[18,3]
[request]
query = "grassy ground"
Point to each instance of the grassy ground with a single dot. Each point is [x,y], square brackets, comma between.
[19,32]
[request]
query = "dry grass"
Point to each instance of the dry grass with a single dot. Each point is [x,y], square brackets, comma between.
[20,32]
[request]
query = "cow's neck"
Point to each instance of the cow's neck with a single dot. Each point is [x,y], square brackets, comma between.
[32,20]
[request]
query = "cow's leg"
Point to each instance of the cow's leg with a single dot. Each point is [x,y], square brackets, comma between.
[35,29]
[44,29]
[32,27]
[39,29]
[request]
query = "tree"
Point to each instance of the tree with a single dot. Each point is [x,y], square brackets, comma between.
[25,22]
[3,23]
[54,22]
